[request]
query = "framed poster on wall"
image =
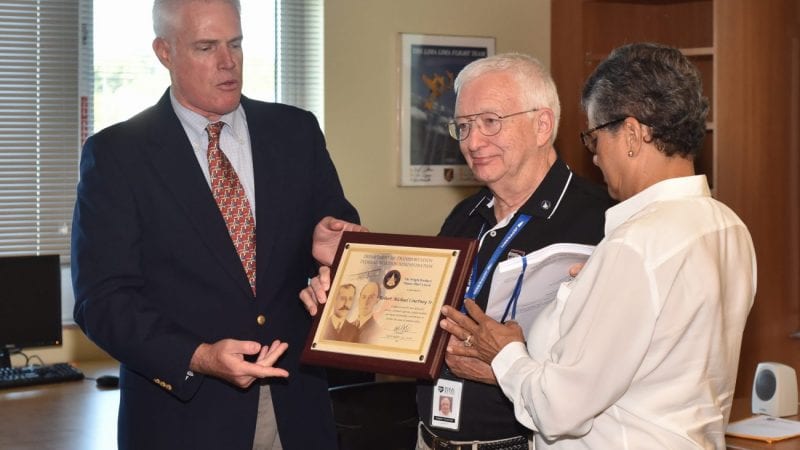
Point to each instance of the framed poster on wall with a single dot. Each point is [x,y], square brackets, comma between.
[428,67]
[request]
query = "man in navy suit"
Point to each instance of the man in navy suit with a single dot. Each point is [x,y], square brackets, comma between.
[158,281]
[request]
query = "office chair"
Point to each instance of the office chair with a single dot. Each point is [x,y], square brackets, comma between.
[342,377]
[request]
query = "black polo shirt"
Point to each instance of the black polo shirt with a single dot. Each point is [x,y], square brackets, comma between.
[564,208]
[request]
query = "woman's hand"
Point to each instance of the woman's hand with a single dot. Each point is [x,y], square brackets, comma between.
[481,336]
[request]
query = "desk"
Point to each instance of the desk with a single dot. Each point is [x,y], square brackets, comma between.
[742,409]
[80,415]
[75,414]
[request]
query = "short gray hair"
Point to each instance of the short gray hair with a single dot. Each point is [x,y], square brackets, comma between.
[658,86]
[534,80]
[164,13]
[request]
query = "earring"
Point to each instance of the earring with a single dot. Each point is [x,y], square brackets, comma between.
[630,153]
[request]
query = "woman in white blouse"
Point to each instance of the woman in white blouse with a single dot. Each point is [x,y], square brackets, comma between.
[640,350]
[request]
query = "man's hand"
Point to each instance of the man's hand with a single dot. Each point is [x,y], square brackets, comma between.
[480,336]
[225,360]
[327,235]
[316,293]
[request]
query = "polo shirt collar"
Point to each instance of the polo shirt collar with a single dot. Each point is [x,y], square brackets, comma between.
[542,204]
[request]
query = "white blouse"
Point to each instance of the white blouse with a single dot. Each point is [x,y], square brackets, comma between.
[640,351]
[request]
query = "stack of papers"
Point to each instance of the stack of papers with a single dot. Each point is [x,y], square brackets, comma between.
[546,269]
[764,428]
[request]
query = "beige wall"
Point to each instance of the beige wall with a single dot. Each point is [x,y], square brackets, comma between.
[77,347]
[362,86]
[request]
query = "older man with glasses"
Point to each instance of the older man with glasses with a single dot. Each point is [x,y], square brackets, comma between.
[507,113]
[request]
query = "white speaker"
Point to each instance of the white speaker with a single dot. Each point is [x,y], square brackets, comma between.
[775,390]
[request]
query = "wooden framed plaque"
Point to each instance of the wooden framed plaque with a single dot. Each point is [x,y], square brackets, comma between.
[384,305]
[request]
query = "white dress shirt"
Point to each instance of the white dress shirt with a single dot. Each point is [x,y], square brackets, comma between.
[641,350]
[234,141]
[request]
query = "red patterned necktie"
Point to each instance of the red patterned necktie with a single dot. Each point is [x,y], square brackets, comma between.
[233,204]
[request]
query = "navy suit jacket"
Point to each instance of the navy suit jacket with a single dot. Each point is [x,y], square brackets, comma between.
[155,275]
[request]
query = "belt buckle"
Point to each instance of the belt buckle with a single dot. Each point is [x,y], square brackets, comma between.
[439,443]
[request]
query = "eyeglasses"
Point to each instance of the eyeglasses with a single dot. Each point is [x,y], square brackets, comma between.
[590,140]
[488,123]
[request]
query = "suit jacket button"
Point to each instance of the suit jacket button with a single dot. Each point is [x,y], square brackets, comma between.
[261,319]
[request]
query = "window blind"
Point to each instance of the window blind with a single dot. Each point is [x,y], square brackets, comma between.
[300,63]
[39,124]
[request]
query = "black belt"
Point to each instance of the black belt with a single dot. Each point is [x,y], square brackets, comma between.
[437,443]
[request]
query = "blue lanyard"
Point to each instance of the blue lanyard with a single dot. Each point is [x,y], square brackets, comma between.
[475,286]
[512,302]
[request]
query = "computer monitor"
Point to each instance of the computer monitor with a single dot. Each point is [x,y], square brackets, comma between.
[30,303]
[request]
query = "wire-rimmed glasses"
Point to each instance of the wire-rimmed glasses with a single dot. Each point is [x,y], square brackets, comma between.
[488,123]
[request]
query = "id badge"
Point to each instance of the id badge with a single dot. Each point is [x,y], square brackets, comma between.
[446,409]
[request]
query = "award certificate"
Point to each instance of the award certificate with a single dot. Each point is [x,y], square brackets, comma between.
[384,306]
